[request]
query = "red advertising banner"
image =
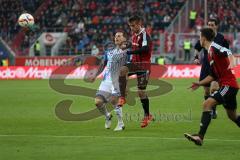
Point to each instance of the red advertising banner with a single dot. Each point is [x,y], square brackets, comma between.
[170,71]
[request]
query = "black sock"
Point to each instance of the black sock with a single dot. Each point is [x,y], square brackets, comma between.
[206,97]
[205,121]
[237,121]
[122,85]
[145,105]
[214,109]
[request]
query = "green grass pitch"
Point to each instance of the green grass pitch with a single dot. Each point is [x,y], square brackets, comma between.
[30,130]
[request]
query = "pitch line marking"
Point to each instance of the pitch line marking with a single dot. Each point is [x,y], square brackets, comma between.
[111,137]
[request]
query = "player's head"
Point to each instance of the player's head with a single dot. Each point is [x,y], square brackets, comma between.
[135,23]
[213,24]
[206,36]
[120,38]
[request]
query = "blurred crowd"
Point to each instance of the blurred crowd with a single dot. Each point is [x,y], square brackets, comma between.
[227,12]
[90,23]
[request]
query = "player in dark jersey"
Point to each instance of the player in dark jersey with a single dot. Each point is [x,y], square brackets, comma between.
[221,71]
[219,39]
[139,64]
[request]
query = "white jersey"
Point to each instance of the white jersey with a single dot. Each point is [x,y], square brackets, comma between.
[109,86]
[115,58]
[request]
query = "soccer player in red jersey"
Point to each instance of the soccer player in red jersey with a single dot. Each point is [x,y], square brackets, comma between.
[221,71]
[139,64]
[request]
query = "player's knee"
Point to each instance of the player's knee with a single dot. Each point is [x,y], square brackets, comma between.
[123,71]
[207,105]
[99,101]
[114,100]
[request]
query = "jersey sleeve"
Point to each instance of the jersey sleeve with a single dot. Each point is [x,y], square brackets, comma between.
[220,50]
[198,46]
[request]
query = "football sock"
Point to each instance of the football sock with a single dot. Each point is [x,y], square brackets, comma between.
[122,85]
[205,121]
[237,121]
[104,110]
[145,105]
[118,111]
[214,109]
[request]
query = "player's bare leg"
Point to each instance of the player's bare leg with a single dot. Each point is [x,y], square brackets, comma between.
[206,95]
[101,105]
[205,121]
[118,110]
[122,85]
[232,114]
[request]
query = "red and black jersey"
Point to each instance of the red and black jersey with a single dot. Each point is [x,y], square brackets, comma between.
[141,47]
[217,56]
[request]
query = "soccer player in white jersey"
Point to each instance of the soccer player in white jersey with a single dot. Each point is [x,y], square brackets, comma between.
[109,88]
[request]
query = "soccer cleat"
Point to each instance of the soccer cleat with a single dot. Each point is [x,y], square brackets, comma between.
[214,114]
[146,120]
[121,101]
[120,127]
[194,138]
[108,122]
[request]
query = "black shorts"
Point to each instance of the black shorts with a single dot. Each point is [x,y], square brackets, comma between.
[227,96]
[142,73]
[205,69]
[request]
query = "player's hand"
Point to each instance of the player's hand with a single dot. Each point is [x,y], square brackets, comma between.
[196,61]
[194,86]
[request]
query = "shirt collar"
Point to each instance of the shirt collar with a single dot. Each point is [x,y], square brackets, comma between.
[141,30]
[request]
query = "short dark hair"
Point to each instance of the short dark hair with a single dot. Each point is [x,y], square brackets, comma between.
[208,33]
[123,32]
[134,18]
[215,20]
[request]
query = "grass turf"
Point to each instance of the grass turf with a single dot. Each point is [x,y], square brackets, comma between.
[29,128]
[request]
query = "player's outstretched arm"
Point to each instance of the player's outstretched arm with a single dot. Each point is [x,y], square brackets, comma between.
[196,85]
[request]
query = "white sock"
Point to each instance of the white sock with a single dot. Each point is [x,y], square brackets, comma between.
[104,110]
[118,111]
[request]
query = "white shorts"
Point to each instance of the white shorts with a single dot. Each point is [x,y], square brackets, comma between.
[108,89]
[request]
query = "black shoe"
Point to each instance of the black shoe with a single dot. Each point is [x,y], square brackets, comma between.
[214,114]
[194,138]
